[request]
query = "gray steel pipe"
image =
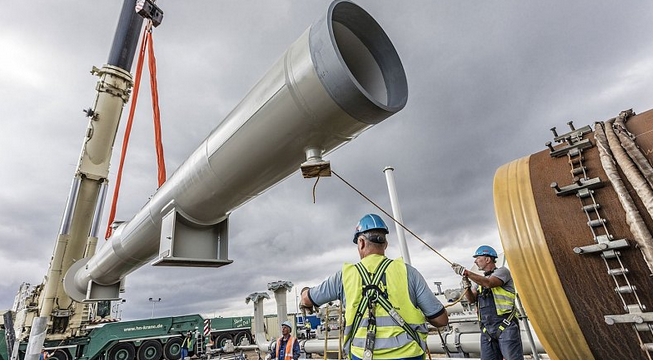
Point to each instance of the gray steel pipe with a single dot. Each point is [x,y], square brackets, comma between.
[342,76]
[469,343]
[463,336]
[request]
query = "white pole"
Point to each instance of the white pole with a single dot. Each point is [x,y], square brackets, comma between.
[527,328]
[153,301]
[396,212]
[296,302]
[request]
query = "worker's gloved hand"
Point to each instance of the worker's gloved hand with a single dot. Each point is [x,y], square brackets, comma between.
[306,309]
[268,356]
[459,269]
[466,283]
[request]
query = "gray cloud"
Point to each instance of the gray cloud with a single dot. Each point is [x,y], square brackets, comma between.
[486,82]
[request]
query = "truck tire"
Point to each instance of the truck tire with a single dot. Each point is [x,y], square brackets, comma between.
[172,349]
[60,354]
[222,340]
[150,350]
[240,338]
[122,351]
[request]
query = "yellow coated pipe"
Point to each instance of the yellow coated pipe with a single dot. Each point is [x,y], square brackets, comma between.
[532,266]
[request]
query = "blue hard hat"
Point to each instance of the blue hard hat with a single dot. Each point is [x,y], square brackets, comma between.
[369,222]
[486,250]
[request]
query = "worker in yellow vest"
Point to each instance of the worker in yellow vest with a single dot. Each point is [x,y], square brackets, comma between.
[186,345]
[387,302]
[286,347]
[307,328]
[495,303]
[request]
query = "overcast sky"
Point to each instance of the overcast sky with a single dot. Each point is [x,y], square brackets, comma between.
[487,79]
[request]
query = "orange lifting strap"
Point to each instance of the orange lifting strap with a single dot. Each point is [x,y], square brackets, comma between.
[145,41]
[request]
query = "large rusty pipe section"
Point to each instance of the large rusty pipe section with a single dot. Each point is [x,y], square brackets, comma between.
[572,221]
[342,76]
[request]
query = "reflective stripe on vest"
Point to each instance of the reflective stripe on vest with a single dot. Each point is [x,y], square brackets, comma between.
[384,344]
[504,300]
[388,321]
[288,351]
[392,342]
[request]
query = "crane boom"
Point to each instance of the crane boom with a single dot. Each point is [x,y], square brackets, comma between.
[78,232]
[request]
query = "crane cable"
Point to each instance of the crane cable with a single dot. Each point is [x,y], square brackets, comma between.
[146,42]
[390,216]
[460,298]
[400,224]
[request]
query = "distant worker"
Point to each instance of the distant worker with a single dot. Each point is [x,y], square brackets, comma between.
[495,303]
[387,302]
[186,345]
[287,346]
[307,328]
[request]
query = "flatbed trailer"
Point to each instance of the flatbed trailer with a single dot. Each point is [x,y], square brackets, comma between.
[147,339]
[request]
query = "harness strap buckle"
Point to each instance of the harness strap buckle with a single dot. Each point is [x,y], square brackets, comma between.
[369,300]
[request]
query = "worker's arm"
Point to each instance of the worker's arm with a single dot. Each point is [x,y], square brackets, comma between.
[424,299]
[439,319]
[470,292]
[296,352]
[329,290]
[486,282]
[305,299]
[273,351]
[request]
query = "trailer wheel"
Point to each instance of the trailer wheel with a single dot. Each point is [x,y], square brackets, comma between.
[241,337]
[222,340]
[60,354]
[150,350]
[172,349]
[122,351]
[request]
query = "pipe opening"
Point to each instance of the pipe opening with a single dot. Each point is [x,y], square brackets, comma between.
[369,55]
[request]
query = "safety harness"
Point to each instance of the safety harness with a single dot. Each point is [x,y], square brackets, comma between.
[373,294]
[505,322]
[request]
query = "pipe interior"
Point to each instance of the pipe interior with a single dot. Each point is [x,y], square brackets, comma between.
[369,55]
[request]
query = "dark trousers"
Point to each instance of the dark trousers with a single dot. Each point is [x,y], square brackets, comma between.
[507,345]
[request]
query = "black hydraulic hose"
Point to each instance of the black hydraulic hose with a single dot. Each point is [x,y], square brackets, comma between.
[126,37]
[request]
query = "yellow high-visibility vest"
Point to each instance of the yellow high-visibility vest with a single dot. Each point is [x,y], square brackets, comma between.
[504,300]
[392,342]
[288,352]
